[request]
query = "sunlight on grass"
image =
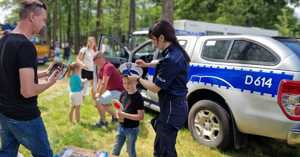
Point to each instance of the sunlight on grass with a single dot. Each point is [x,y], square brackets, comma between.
[54,105]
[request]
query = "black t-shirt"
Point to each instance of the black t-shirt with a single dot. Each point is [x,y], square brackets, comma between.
[131,104]
[19,53]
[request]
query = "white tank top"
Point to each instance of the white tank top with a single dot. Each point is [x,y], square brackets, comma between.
[88,56]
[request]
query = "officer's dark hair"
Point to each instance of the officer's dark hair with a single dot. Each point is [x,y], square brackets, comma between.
[163,27]
[28,7]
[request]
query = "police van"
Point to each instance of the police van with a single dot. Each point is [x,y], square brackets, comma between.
[238,85]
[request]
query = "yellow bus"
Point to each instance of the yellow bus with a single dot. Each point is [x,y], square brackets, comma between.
[42,48]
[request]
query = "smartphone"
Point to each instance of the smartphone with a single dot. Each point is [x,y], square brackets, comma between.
[62,67]
[64,71]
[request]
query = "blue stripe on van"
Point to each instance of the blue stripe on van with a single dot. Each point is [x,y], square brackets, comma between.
[245,80]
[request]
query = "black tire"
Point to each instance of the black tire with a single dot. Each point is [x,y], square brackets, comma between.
[223,138]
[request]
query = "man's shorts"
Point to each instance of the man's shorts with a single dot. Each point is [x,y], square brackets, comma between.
[107,97]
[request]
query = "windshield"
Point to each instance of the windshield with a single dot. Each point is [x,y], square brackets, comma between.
[136,40]
[112,48]
[292,44]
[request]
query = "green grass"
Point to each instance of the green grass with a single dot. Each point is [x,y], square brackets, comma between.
[54,104]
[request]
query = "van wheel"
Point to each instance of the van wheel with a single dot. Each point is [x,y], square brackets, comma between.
[210,124]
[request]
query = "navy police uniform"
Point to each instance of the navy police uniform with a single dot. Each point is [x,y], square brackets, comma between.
[171,76]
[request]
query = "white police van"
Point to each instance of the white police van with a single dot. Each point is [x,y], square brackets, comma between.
[238,85]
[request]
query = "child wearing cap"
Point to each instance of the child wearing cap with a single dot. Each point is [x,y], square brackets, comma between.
[131,112]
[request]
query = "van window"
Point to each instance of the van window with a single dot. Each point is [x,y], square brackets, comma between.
[182,43]
[115,52]
[146,52]
[250,52]
[216,49]
[233,34]
[214,33]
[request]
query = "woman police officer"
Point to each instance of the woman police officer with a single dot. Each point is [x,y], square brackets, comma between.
[169,82]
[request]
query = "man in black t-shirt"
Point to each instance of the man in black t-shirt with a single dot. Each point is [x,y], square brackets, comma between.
[20,120]
[129,116]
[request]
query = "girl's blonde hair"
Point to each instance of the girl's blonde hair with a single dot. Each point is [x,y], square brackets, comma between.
[72,67]
[89,40]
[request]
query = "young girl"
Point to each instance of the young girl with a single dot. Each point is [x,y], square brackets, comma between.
[76,86]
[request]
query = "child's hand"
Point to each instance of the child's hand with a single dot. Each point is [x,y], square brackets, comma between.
[120,114]
[97,95]
[115,101]
[117,104]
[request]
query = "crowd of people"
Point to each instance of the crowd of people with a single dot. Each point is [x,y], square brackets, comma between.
[60,52]
[20,120]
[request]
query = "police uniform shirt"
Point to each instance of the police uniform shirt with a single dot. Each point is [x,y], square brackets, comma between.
[172,72]
[172,76]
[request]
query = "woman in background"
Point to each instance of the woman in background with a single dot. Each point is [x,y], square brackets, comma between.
[85,59]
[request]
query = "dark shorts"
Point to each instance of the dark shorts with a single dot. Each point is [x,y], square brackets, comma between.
[86,74]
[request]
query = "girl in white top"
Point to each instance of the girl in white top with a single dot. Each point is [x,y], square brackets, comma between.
[85,59]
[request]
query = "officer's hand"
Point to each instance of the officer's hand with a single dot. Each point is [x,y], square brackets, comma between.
[133,77]
[141,63]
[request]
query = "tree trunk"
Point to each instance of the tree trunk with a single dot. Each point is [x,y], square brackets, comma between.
[98,18]
[69,28]
[167,10]
[49,29]
[77,25]
[117,19]
[88,13]
[132,18]
[60,27]
[55,21]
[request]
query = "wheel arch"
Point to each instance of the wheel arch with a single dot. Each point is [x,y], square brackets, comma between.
[206,94]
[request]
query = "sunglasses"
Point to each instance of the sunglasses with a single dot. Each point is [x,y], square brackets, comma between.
[42,5]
